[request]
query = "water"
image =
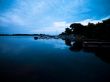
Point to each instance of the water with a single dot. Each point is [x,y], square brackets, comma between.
[23,59]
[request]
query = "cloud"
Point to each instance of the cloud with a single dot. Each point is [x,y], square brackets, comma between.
[34,13]
[51,16]
[12,20]
[24,14]
[55,28]
[61,24]
[85,22]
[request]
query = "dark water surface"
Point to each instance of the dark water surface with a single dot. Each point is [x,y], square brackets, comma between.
[23,59]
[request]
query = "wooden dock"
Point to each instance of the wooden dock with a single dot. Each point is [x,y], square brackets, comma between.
[96,44]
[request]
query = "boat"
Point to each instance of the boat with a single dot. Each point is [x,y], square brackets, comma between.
[35,38]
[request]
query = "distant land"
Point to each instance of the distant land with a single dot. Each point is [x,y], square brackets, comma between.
[36,36]
[22,34]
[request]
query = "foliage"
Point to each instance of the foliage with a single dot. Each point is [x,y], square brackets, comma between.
[90,31]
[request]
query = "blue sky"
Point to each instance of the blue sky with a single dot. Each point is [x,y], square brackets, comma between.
[49,16]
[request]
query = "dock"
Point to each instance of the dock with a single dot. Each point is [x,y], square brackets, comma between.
[96,44]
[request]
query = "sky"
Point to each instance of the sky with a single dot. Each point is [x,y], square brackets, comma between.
[49,16]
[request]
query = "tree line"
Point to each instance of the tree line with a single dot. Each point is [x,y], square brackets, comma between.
[99,31]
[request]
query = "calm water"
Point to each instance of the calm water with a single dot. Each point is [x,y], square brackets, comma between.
[23,59]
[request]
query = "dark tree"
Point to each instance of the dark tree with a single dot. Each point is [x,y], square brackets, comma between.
[68,31]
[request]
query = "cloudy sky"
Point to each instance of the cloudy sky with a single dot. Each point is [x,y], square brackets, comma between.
[49,16]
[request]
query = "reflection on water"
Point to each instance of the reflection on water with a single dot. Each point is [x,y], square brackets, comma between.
[23,59]
[102,52]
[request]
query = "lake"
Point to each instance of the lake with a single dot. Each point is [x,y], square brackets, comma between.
[23,59]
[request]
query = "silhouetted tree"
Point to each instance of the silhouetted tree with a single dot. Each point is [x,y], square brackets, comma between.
[77,28]
[91,31]
[68,31]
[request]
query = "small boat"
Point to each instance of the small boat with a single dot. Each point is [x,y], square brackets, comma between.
[35,38]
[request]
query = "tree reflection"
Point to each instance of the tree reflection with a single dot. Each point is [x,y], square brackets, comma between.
[102,52]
